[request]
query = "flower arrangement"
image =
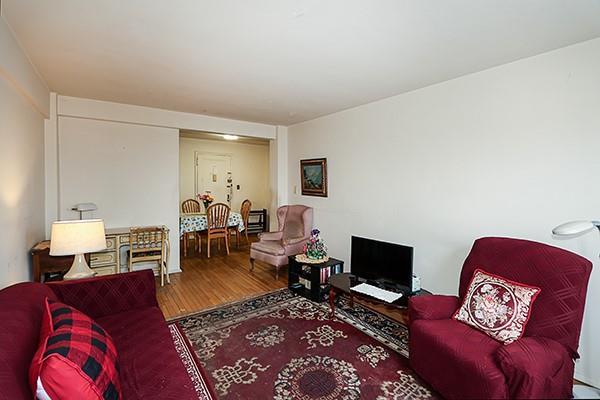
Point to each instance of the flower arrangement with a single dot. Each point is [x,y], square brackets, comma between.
[315,248]
[206,199]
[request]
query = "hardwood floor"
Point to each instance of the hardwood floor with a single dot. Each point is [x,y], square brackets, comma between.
[207,282]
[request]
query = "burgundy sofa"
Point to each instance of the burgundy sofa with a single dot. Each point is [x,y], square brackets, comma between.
[462,362]
[124,305]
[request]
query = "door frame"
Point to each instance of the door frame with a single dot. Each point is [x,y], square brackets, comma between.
[198,154]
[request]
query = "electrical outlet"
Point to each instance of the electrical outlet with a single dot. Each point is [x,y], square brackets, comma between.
[295,189]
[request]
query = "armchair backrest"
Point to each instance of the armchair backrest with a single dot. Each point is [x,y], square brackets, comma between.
[295,221]
[563,276]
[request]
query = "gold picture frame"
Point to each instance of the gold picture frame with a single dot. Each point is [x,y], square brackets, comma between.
[313,176]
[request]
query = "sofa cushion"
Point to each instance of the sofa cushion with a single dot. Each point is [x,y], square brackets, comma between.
[150,365]
[447,353]
[76,358]
[269,246]
[21,308]
[497,306]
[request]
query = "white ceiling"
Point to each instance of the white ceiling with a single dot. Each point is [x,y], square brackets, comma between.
[281,61]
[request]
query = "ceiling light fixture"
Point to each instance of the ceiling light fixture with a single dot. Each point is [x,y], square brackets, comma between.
[230,137]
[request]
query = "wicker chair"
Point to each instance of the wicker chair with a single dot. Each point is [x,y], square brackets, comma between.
[150,243]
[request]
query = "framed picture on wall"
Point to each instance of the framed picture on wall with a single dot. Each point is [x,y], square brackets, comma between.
[313,174]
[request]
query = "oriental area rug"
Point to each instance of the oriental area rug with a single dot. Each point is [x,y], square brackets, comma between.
[281,346]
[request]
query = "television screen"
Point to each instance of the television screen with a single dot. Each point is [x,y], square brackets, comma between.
[372,259]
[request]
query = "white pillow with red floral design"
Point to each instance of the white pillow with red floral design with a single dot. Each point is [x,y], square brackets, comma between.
[497,306]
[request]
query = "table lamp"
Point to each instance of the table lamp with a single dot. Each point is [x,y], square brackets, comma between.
[77,238]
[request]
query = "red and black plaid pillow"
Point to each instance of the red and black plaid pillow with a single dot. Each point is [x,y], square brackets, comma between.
[76,357]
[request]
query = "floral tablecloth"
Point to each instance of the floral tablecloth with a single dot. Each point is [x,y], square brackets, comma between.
[197,222]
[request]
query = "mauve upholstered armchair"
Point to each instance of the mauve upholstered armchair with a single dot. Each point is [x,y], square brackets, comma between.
[295,224]
[462,362]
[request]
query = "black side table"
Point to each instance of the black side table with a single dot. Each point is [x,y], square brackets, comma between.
[311,280]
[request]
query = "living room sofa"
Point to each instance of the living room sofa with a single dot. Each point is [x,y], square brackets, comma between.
[125,305]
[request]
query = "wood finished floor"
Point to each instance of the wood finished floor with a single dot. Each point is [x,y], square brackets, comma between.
[207,282]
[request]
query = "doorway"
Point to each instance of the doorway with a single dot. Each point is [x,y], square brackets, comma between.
[231,171]
[213,175]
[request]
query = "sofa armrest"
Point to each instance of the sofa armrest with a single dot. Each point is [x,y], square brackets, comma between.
[432,307]
[110,294]
[271,235]
[536,367]
[292,241]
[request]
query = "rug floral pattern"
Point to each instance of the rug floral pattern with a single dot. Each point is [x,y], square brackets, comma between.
[280,346]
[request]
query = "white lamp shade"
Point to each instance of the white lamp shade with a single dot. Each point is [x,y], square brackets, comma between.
[77,237]
[573,228]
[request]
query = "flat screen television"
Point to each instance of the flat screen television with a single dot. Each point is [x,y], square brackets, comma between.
[375,260]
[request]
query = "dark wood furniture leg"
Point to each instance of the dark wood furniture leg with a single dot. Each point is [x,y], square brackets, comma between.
[331,303]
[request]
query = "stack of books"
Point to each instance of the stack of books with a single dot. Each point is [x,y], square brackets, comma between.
[326,272]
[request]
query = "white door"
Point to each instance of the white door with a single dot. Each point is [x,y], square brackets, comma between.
[213,175]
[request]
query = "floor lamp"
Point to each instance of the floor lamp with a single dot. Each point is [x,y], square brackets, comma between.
[571,230]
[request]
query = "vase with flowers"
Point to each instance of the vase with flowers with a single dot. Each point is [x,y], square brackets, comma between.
[206,199]
[315,250]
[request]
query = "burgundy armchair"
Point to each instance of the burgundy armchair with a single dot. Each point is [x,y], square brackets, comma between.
[295,225]
[462,362]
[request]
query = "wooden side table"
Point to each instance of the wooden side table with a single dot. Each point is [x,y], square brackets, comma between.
[44,263]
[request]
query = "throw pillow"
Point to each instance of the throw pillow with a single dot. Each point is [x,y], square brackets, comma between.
[76,359]
[497,306]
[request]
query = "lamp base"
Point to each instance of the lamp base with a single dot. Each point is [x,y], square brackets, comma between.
[80,269]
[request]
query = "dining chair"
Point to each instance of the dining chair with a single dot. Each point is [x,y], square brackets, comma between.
[150,243]
[245,212]
[217,217]
[191,206]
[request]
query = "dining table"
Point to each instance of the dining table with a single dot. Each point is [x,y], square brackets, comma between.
[194,222]
[197,222]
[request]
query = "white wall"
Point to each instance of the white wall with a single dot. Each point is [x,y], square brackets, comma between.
[130,171]
[511,151]
[16,68]
[21,159]
[249,168]
[107,110]
[124,158]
